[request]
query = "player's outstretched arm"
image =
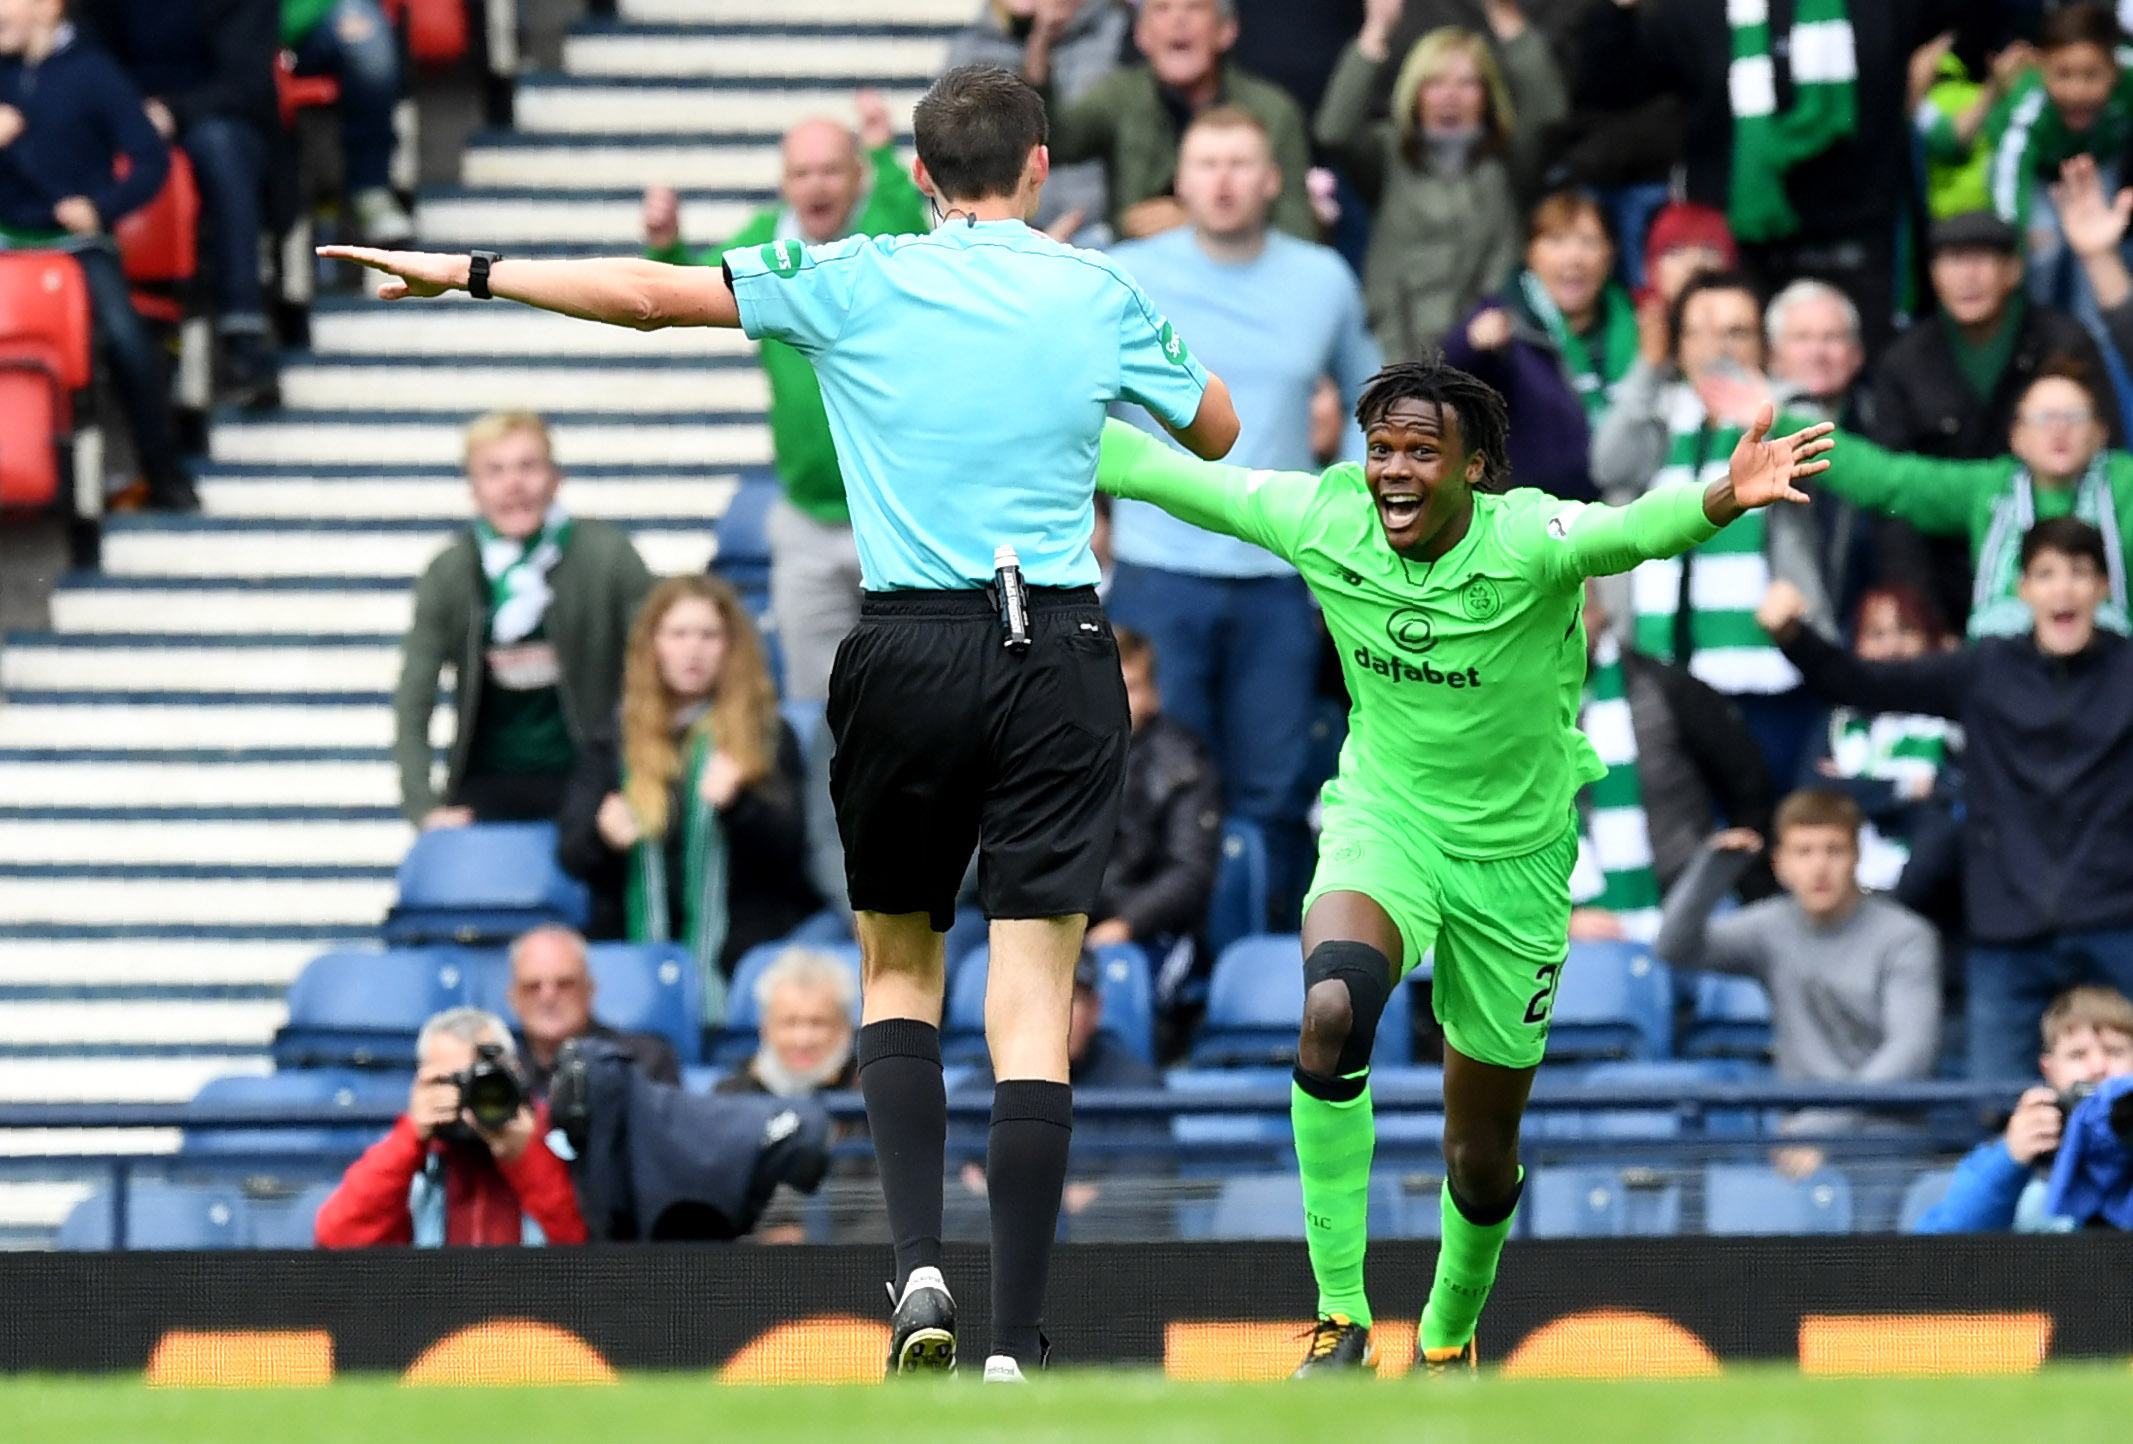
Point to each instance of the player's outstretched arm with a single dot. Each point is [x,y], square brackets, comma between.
[1764,472]
[1265,508]
[618,291]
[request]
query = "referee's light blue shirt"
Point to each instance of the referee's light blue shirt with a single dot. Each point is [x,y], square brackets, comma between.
[967,374]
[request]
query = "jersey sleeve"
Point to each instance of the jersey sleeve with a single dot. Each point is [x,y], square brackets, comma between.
[1561,543]
[1265,508]
[1154,366]
[794,293]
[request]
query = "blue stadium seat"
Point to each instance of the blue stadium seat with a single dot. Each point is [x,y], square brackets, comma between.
[823,929]
[1270,1205]
[966,935]
[1926,1190]
[286,1222]
[650,988]
[736,1038]
[365,1008]
[160,1215]
[1731,1019]
[483,884]
[346,1088]
[1614,1001]
[805,719]
[1255,1005]
[1240,903]
[1122,979]
[743,557]
[1215,1143]
[1740,1198]
[1406,1132]
[1669,1074]
[702,1077]
[1599,1202]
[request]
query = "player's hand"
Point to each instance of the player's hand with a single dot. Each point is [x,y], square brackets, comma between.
[661,217]
[1782,608]
[432,1103]
[78,214]
[1763,472]
[617,824]
[1796,1162]
[2036,1126]
[1595,925]
[11,125]
[875,128]
[1108,932]
[438,817]
[721,782]
[421,274]
[2092,225]
[1489,330]
[1153,217]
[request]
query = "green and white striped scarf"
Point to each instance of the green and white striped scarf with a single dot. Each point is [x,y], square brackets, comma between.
[1887,747]
[1618,342]
[1995,609]
[518,574]
[648,902]
[2034,142]
[1614,869]
[1767,145]
[1725,576]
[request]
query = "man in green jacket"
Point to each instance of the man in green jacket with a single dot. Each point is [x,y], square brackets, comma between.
[531,607]
[1133,118]
[829,190]
[2060,465]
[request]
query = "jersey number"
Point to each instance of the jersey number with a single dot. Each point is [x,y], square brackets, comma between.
[1547,975]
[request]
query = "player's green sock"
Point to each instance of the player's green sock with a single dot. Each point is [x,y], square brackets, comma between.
[1466,1268]
[1335,1138]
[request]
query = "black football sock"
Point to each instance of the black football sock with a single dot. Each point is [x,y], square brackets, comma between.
[1025,1172]
[907,1113]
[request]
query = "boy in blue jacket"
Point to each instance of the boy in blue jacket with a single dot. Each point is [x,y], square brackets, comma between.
[2000,1184]
[67,115]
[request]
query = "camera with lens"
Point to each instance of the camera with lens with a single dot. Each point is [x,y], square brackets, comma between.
[490,1091]
[2070,1098]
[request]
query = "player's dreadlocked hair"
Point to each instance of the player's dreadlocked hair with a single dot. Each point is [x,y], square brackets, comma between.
[1484,425]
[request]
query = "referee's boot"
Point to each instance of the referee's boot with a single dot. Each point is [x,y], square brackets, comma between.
[1459,1363]
[922,1329]
[1339,1345]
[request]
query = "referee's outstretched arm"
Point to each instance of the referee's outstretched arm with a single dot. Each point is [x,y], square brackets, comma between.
[619,290]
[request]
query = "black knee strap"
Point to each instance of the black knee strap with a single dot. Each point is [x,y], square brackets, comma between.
[1367,974]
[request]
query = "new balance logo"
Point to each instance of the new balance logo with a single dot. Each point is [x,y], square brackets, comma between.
[1400,671]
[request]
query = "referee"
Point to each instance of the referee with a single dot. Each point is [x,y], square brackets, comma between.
[978,705]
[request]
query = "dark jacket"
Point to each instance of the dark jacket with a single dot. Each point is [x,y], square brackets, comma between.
[2048,762]
[1696,759]
[1169,844]
[651,1052]
[1551,441]
[1683,47]
[199,57]
[599,583]
[80,114]
[767,889]
[1296,46]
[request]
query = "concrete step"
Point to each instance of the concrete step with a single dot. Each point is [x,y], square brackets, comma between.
[50,721]
[475,328]
[158,898]
[340,843]
[405,384]
[612,495]
[84,779]
[44,663]
[829,14]
[312,439]
[234,1024]
[548,104]
[107,962]
[500,221]
[613,161]
[797,54]
[264,550]
[236,606]
[121,1080]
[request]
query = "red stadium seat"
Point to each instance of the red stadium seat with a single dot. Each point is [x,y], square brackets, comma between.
[436,29]
[301,92]
[161,240]
[45,356]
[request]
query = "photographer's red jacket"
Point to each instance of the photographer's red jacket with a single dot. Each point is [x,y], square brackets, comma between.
[485,1199]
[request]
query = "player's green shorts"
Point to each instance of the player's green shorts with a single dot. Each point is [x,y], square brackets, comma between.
[1499,929]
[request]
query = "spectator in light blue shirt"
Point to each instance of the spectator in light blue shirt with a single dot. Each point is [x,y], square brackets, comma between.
[1236,631]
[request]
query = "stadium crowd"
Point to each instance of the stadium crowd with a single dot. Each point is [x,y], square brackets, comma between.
[1638,219]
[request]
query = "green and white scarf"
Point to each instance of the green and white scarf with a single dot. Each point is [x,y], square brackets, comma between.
[1618,342]
[1767,145]
[1995,609]
[703,860]
[1614,868]
[1725,576]
[2034,142]
[1887,747]
[518,574]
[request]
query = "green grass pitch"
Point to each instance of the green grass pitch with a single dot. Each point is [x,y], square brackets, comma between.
[1749,1406]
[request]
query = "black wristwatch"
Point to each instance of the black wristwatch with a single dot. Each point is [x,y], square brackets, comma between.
[478,263]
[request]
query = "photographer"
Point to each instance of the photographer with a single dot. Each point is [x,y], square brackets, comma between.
[2001,1184]
[467,1163]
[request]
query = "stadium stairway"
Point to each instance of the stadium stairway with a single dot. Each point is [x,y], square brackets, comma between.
[195,792]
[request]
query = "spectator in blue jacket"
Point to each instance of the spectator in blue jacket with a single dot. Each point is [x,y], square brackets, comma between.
[67,117]
[2000,1184]
[207,68]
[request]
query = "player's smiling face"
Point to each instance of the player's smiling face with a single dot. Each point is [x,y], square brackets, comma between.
[1421,478]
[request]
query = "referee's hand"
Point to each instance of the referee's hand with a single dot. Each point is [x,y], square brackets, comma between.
[414,273]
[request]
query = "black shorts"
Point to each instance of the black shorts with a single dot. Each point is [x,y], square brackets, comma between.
[948,741]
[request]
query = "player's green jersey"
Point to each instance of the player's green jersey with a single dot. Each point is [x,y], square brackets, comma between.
[1465,673]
